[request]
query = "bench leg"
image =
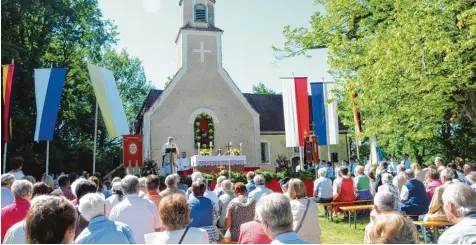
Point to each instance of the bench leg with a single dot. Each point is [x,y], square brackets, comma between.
[331,212]
[435,234]
[350,224]
[355,220]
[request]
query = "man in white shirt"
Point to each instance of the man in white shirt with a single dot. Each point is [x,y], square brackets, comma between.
[184,162]
[439,163]
[405,162]
[298,168]
[399,179]
[169,159]
[459,203]
[16,164]
[261,189]
[392,167]
[140,214]
[7,194]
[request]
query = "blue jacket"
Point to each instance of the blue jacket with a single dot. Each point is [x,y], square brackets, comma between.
[250,186]
[102,230]
[418,202]
[201,211]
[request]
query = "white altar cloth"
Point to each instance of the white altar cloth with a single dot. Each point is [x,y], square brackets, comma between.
[199,161]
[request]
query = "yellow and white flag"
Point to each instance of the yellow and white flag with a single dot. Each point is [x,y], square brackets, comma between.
[109,101]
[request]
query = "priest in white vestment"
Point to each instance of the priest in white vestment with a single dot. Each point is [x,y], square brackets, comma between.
[169,160]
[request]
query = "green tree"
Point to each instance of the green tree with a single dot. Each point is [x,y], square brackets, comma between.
[67,34]
[412,64]
[260,88]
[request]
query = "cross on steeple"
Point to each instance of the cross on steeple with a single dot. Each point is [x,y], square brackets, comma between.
[202,52]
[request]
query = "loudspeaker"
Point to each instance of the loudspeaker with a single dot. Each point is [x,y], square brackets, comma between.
[334,157]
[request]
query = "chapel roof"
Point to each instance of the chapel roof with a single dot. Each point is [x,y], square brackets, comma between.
[180,2]
[268,106]
[188,26]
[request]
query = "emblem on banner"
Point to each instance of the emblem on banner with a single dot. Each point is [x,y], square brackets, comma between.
[133,148]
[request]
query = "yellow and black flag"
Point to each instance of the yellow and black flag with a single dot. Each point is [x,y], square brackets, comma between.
[9,78]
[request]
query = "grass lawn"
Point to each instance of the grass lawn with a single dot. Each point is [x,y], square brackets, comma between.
[339,231]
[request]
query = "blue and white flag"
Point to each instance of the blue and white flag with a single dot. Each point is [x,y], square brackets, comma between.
[324,115]
[48,89]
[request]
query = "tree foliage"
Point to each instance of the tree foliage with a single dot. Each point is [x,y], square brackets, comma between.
[412,64]
[260,88]
[56,33]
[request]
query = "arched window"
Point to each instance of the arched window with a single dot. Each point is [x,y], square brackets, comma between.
[265,154]
[200,13]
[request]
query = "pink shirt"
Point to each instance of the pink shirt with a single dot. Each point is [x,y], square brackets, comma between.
[431,187]
[13,214]
[252,233]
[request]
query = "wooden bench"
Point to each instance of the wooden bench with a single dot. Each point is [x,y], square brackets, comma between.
[433,225]
[226,241]
[354,209]
[331,205]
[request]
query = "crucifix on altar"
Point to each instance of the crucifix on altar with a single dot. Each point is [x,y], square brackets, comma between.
[221,167]
[228,149]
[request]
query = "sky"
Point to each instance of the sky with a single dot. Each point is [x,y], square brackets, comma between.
[148,28]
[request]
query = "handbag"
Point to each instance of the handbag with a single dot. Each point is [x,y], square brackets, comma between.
[183,235]
[303,216]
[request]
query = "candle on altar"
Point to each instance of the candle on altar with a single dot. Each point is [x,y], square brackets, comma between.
[211,147]
[229,161]
[198,148]
[241,148]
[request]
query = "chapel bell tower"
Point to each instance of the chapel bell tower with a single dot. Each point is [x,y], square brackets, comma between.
[198,13]
[198,41]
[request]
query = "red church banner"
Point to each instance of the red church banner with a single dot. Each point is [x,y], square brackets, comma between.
[132,150]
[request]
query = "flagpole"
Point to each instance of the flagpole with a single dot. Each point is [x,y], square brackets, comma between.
[357,145]
[5,158]
[95,138]
[47,156]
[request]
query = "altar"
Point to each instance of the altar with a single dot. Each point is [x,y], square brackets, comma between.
[207,164]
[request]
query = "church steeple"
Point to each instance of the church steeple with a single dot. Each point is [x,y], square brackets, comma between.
[198,13]
[198,40]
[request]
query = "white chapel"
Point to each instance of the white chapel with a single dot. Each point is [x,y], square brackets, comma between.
[203,105]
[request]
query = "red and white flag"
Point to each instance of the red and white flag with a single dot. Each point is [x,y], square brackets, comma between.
[296,110]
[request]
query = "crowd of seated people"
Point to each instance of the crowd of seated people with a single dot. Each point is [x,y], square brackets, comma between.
[132,209]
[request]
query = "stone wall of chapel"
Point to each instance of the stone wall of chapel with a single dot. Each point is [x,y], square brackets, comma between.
[203,87]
